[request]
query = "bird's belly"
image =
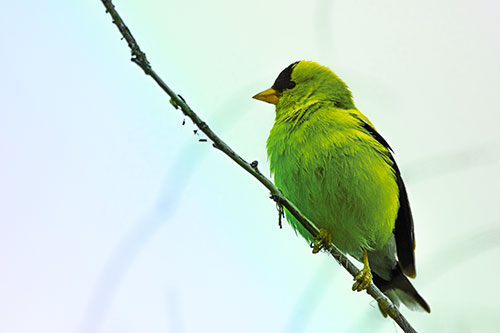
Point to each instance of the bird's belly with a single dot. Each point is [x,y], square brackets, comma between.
[353,196]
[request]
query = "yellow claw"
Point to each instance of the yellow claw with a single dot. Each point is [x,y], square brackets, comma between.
[364,277]
[323,240]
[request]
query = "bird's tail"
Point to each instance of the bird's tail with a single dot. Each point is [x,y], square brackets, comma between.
[400,290]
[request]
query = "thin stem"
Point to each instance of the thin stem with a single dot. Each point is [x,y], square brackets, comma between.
[140,59]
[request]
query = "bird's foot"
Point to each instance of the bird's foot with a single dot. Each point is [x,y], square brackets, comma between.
[364,277]
[322,241]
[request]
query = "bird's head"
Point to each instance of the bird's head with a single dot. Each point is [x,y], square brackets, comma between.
[307,81]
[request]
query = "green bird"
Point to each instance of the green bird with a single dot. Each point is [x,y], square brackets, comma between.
[332,163]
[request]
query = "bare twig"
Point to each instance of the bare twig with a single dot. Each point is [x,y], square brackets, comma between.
[140,59]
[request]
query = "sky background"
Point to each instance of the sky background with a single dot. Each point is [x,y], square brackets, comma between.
[115,218]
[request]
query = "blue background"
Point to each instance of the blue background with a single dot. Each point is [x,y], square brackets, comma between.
[115,218]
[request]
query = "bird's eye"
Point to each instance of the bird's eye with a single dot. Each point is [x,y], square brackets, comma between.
[291,85]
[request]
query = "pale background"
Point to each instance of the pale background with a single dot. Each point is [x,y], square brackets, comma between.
[114,218]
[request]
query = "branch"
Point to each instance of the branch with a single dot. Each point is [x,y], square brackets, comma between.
[140,59]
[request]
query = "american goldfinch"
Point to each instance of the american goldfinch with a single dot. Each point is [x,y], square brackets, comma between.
[332,163]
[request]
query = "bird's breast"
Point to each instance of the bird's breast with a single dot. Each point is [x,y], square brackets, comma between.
[338,180]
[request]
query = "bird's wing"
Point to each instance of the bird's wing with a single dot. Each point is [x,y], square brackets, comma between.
[403,230]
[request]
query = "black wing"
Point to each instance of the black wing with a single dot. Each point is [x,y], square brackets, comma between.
[403,230]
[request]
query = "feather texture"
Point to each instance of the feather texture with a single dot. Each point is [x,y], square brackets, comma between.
[329,160]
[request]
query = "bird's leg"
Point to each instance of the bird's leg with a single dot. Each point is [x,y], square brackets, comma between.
[364,277]
[323,240]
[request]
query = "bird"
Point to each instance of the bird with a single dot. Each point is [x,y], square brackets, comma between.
[332,163]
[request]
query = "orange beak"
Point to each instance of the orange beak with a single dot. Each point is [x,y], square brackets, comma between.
[270,96]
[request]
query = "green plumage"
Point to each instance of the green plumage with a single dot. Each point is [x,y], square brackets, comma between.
[326,159]
[325,162]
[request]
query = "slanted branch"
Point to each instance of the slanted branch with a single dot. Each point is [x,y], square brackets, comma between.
[139,58]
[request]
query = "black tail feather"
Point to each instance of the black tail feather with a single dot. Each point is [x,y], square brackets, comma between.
[399,289]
